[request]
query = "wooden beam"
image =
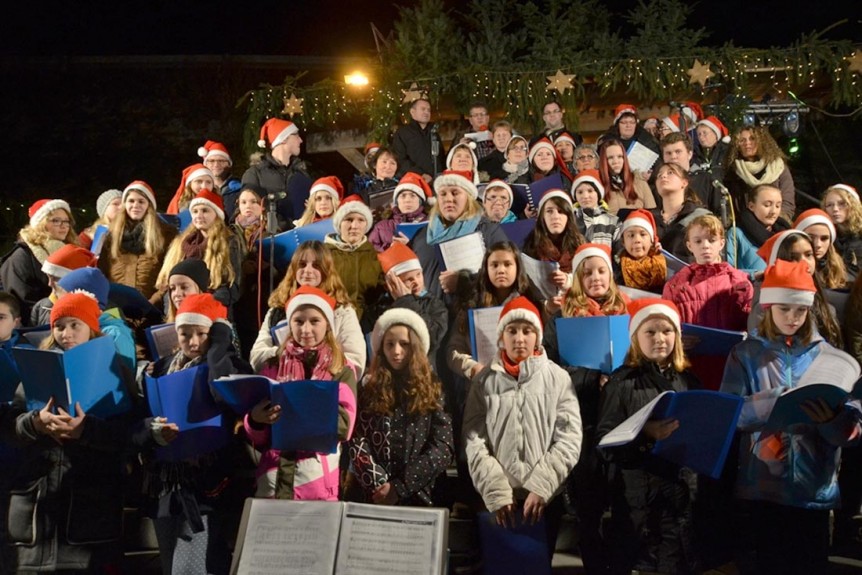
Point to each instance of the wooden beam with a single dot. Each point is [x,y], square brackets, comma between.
[355,157]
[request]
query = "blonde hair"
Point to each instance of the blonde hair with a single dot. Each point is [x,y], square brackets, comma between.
[49,342]
[216,255]
[767,328]
[39,236]
[473,209]
[636,357]
[309,214]
[338,361]
[330,282]
[187,196]
[154,238]
[575,303]
[854,210]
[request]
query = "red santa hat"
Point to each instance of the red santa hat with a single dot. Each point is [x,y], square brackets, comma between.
[717,127]
[692,112]
[591,250]
[331,185]
[142,188]
[542,143]
[470,147]
[624,109]
[79,305]
[519,309]
[200,309]
[813,217]
[640,218]
[564,136]
[847,188]
[276,131]
[553,193]
[41,208]
[400,316]
[308,295]
[413,182]
[398,259]
[498,183]
[671,122]
[67,258]
[642,309]
[768,252]
[787,283]
[372,147]
[208,198]
[213,149]
[463,180]
[591,177]
[352,204]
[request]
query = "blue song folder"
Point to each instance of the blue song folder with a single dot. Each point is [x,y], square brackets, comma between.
[286,243]
[9,378]
[594,342]
[518,550]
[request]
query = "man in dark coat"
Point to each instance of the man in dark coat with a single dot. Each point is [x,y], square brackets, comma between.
[414,143]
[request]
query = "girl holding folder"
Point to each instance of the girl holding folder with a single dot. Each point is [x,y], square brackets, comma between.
[788,477]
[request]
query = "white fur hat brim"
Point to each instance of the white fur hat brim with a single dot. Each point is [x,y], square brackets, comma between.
[400,316]
[458,181]
[46,209]
[554,194]
[325,188]
[787,296]
[815,219]
[300,300]
[206,202]
[638,223]
[519,314]
[590,252]
[650,310]
[352,208]
[597,184]
[284,135]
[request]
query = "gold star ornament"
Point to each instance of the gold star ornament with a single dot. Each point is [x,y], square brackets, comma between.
[411,94]
[292,105]
[560,82]
[699,73]
[855,60]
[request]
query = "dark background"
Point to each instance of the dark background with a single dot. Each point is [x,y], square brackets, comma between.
[78,116]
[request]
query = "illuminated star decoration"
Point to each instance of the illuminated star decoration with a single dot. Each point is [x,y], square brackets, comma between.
[855,60]
[411,94]
[699,73]
[292,105]
[560,82]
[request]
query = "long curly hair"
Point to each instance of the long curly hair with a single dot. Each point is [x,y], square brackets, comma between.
[539,239]
[575,302]
[419,391]
[853,223]
[768,149]
[330,283]
[154,237]
[39,236]
[628,189]
[216,255]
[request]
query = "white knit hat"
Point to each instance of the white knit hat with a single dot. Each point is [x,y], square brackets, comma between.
[470,148]
[400,316]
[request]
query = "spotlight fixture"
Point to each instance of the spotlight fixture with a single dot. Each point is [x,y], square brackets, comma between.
[792,125]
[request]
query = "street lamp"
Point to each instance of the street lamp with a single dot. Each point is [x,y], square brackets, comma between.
[356,79]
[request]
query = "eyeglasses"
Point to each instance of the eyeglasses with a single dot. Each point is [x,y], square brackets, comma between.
[518,149]
[496,199]
[59,222]
[479,115]
[585,158]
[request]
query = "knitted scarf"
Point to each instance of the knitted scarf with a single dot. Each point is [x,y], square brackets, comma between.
[437,232]
[754,229]
[748,171]
[515,170]
[194,246]
[296,362]
[648,273]
[132,241]
[42,251]
[180,362]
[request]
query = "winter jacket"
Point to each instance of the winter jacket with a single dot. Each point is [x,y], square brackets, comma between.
[431,261]
[741,253]
[301,474]
[521,435]
[850,247]
[710,162]
[359,270]
[492,164]
[229,192]
[346,329]
[384,230]
[21,275]
[796,466]
[711,295]
[672,235]
[136,270]
[412,146]
[598,225]
[276,178]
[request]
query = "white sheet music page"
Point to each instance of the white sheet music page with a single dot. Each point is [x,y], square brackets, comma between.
[464,253]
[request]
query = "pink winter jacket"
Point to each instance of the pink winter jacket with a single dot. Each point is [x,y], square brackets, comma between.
[711,295]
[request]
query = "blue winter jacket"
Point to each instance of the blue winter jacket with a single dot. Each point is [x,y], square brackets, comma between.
[796,467]
[744,257]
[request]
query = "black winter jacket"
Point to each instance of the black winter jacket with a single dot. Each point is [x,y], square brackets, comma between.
[277,178]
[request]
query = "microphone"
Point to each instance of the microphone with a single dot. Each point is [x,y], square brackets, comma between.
[720,187]
[435,144]
[275,196]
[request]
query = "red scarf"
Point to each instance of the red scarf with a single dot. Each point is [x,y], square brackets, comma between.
[514,368]
[295,359]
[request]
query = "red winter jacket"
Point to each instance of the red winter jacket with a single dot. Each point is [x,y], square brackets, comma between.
[711,295]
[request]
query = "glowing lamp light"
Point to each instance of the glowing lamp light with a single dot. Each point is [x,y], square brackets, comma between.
[356,79]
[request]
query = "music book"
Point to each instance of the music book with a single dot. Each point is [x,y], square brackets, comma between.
[711,340]
[185,219]
[539,273]
[482,323]
[281,536]
[309,409]
[34,335]
[635,293]
[600,342]
[518,550]
[477,137]
[184,398]
[409,229]
[132,302]
[286,243]
[641,158]
[464,253]
[9,378]
[707,422]
[162,340]
[280,331]
[518,230]
[88,373]
[100,234]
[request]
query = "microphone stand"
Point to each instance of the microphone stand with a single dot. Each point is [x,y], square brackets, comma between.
[435,147]
[271,230]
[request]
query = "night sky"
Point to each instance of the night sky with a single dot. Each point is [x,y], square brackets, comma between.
[332,27]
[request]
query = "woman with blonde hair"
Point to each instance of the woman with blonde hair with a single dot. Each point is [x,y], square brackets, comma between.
[755,159]
[51,226]
[195,178]
[841,203]
[830,269]
[108,205]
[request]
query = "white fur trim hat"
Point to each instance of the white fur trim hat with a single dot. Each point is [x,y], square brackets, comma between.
[212,149]
[519,309]
[413,182]
[498,183]
[585,251]
[624,109]
[768,252]
[276,131]
[641,309]
[398,259]
[642,219]
[352,204]
[400,316]
[41,208]
[717,127]
[307,295]
[200,309]
[208,198]
[463,180]
[142,188]
[787,283]
[591,177]
[554,193]
[470,148]
[330,184]
[67,258]
[813,217]
[847,188]
[543,143]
